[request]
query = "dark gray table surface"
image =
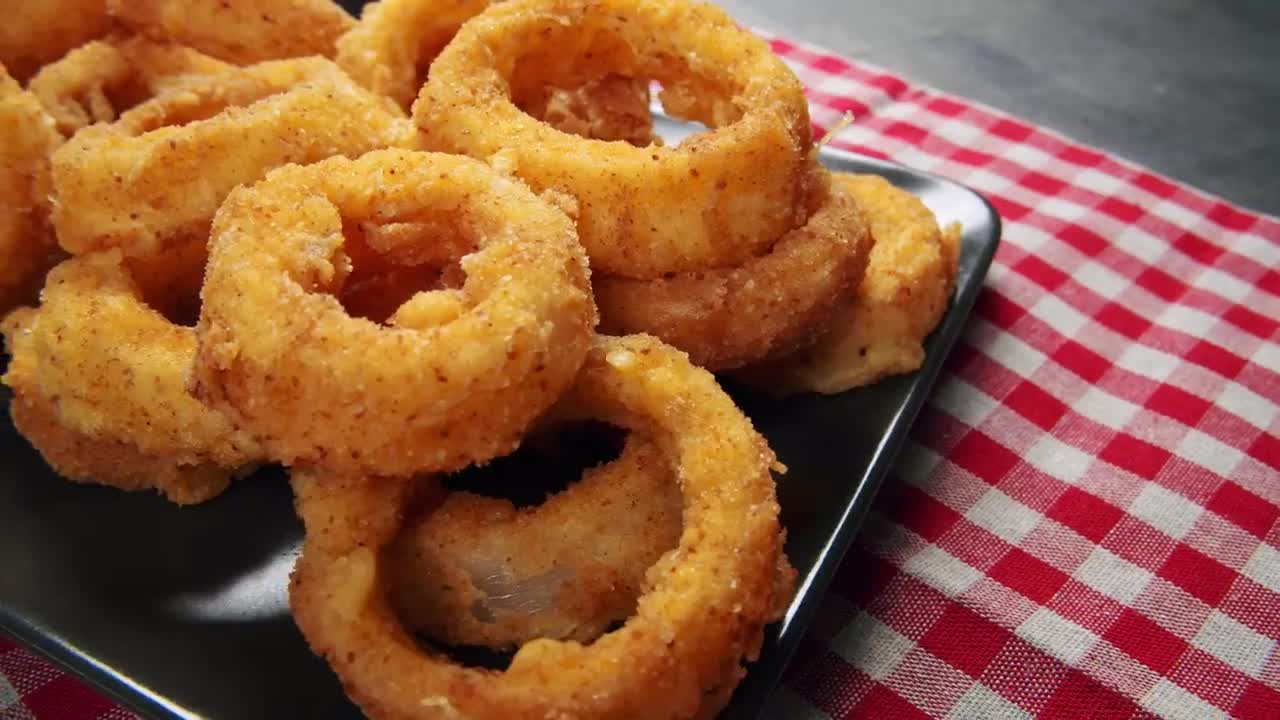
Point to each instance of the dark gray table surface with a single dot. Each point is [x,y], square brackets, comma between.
[1189,88]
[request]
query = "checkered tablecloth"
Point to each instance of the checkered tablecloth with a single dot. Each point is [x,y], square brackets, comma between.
[1085,524]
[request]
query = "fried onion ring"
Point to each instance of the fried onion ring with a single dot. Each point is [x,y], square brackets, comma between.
[478,571]
[715,200]
[27,139]
[37,32]
[101,79]
[460,373]
[239,31]
[152,180]
[910,278]
[679,656]
[774,303]
[99,375]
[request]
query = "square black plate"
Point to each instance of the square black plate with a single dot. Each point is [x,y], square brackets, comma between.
[182,612]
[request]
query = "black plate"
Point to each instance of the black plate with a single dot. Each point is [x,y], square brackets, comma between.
[182,612]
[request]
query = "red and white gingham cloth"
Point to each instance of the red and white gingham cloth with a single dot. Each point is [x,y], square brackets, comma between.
[1085,524]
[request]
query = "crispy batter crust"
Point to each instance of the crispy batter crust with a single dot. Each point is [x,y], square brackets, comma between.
[881,330]
[27,138]
[392,46]
[239,31]
[152,180]
[98,461]
[771,304]
[99,381]
[36,32]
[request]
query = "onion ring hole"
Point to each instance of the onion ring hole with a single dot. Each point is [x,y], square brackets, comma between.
[551,460]
[378,284]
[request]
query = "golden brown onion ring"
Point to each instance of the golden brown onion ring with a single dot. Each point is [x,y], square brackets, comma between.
[715,200]
[679,656]
[36,32]
[774,303]
[239,31]
[98,81]
[100,375]
[476,570]
[27,138]
[909,281]
[152,180]
[460,373]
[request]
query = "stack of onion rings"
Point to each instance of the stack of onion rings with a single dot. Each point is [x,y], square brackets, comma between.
[239,31]
[702,612]
[731,246]
[460,373]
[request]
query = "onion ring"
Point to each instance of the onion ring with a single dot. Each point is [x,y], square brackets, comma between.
[239,31]
[35,33]
[679,656]
[100,376]
[27,246]
[460,374]
[101,79]
[909,281]
[715,200]
[728,318]
[478,571]
[152,180]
